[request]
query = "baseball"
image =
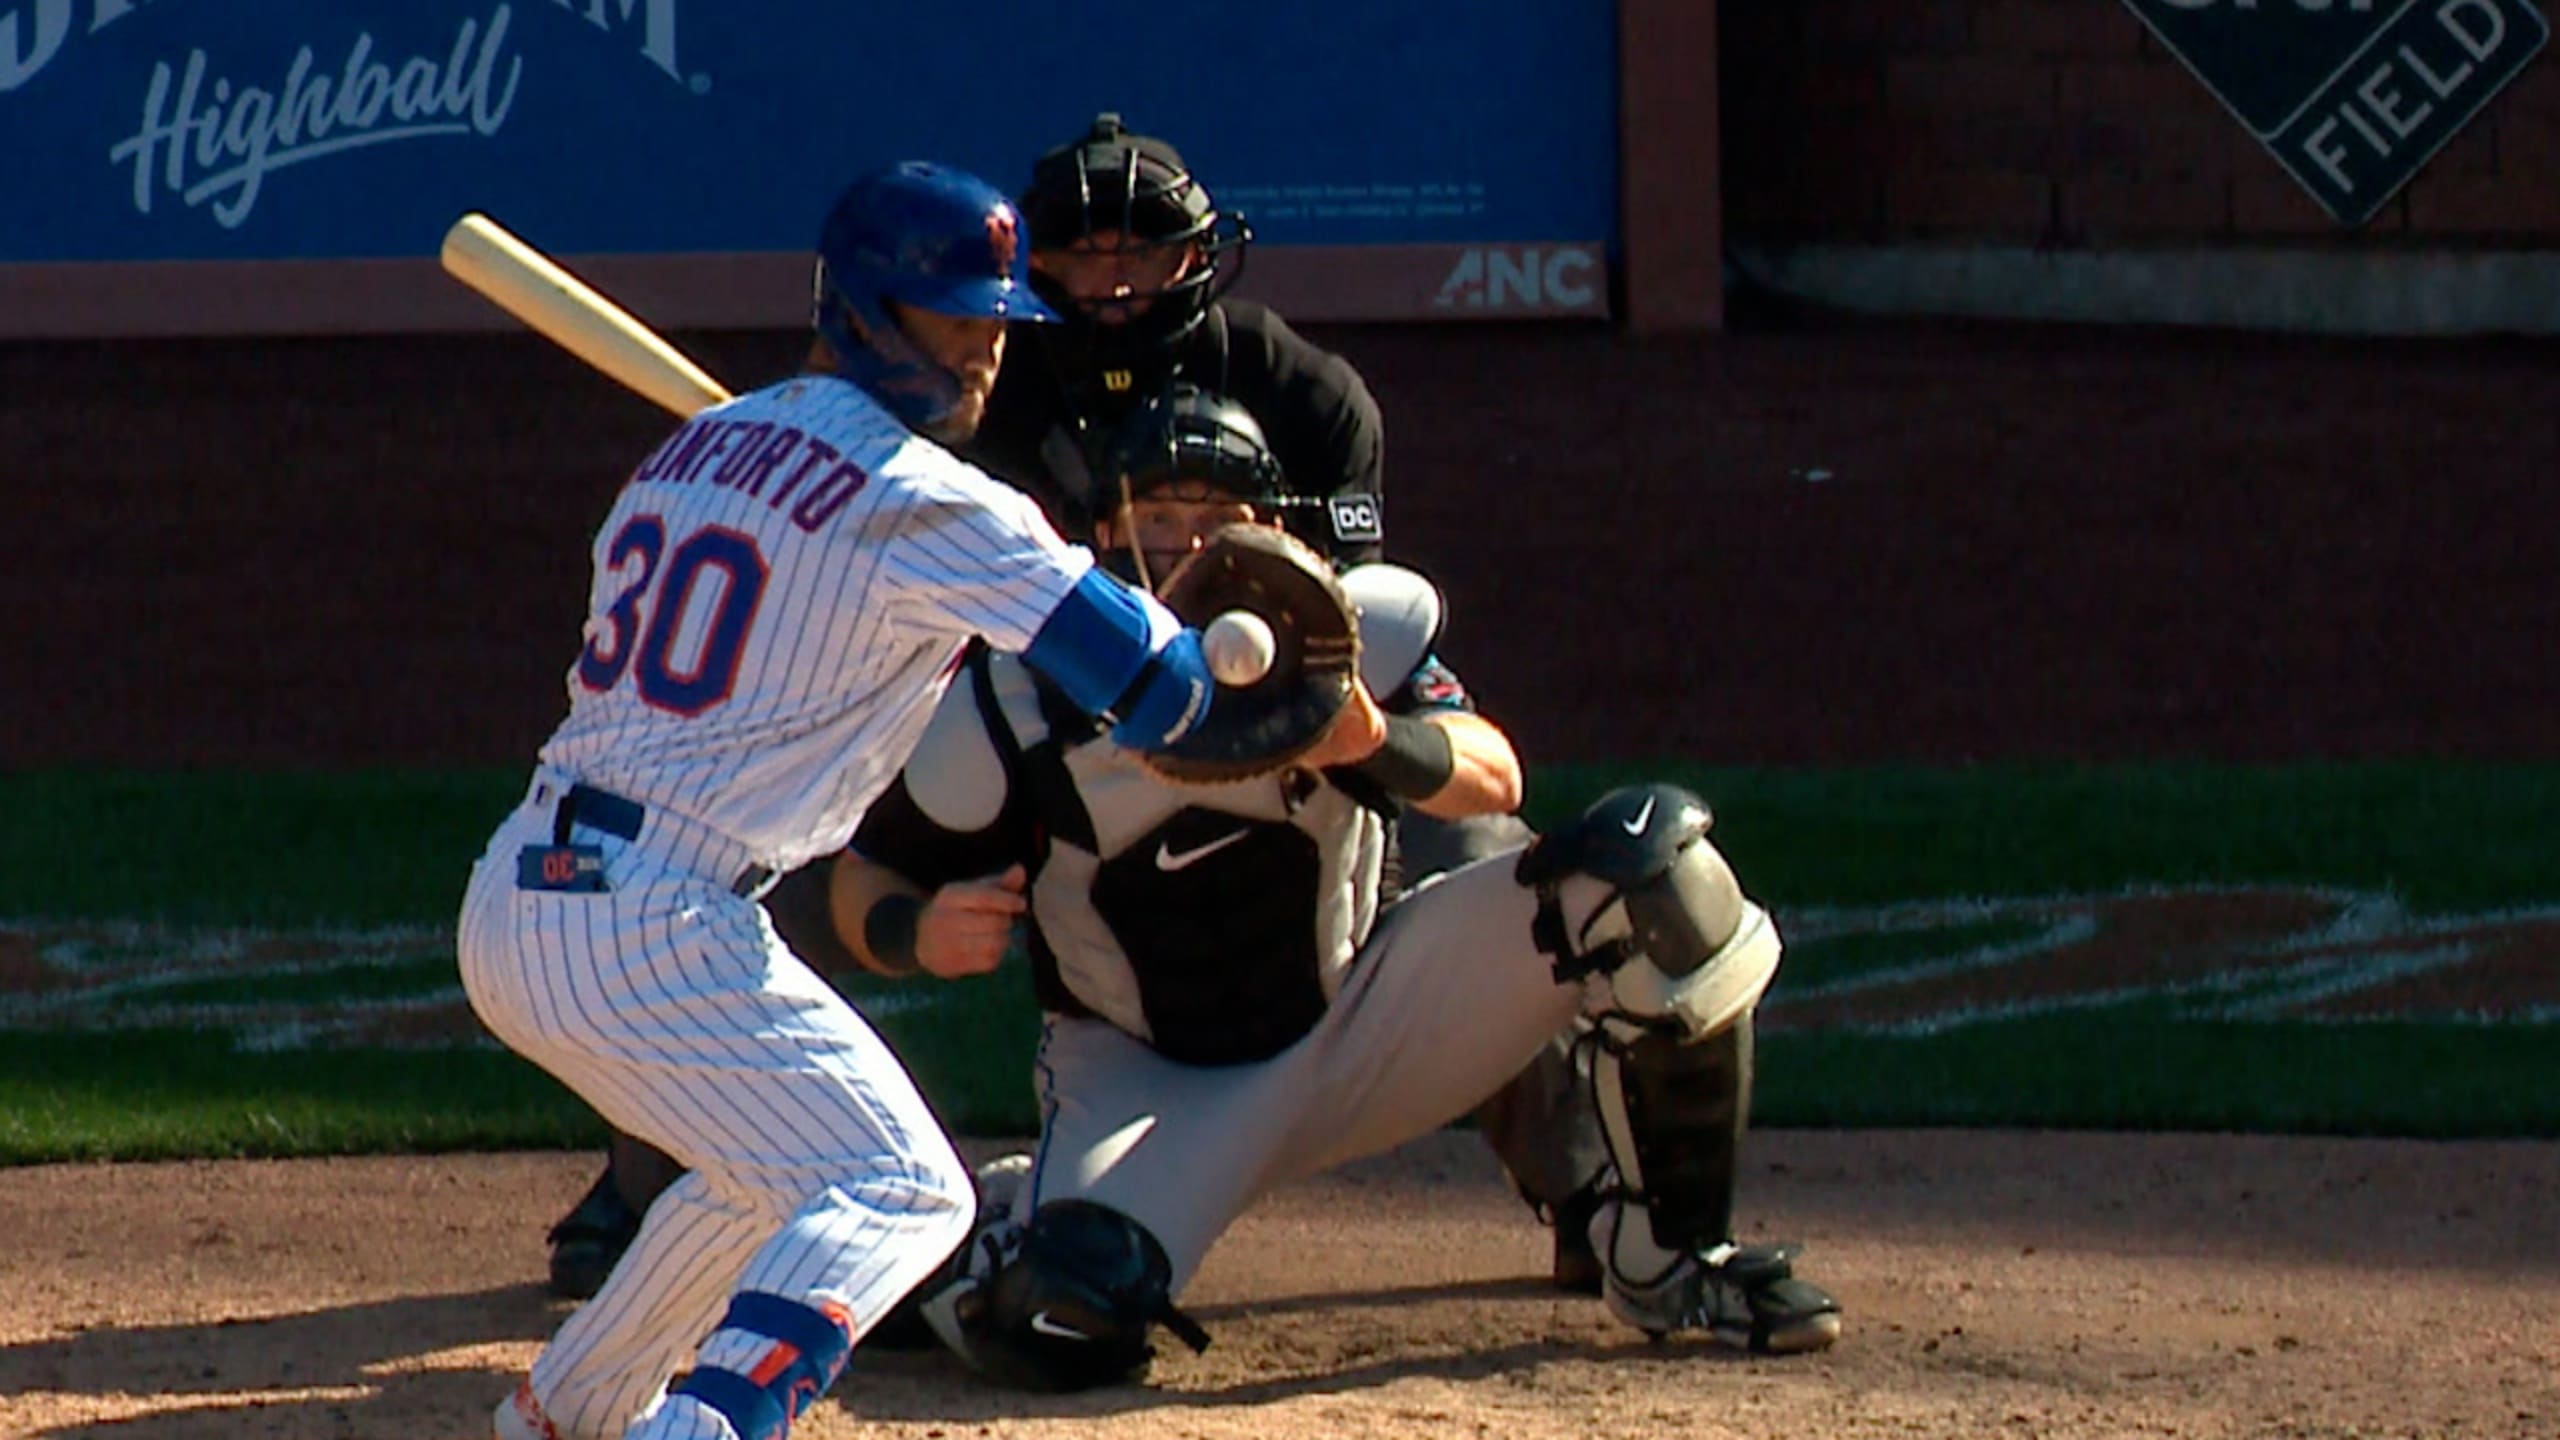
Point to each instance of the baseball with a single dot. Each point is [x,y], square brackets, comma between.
[1239,647]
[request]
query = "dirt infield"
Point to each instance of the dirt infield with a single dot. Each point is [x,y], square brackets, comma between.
[2046,1287]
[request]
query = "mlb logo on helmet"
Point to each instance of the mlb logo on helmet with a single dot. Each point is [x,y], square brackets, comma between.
[1004,236]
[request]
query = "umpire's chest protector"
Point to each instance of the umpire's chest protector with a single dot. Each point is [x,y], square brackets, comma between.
[1214,922]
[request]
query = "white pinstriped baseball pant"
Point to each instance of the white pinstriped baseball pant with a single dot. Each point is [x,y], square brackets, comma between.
[669,1004]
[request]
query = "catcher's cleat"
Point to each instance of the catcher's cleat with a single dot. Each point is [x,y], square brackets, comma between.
[904,1328]
[1577,1264]
[589,1240]
[1000,1184]
[1744,1296]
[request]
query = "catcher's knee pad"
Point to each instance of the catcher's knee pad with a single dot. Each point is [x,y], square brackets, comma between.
[1064,1302]
[1632,889]
[1673,1110]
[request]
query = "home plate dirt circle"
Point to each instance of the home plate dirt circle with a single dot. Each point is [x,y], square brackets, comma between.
[2073,1286]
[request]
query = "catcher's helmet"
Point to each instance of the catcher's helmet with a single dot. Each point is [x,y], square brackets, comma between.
[925,236]
[1137,186]
[1191,435]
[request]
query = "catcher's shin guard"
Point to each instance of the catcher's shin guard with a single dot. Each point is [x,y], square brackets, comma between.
[588,1241]
[1674,1111]
[1632,889]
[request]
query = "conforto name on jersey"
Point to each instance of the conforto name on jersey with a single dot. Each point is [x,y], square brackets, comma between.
[805,473]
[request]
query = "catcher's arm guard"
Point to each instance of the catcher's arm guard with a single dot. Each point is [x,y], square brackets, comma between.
[1256,729]
[1400,616]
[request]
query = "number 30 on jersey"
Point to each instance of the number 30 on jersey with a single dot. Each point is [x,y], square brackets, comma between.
[679,627]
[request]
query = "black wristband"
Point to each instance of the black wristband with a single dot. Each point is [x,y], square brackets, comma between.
[1416,761]
[889,933]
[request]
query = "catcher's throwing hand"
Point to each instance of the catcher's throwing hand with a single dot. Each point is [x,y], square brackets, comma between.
[968,924]
[1355,734]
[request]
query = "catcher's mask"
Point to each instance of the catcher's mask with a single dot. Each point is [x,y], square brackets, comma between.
[926,237]
[1128,201]
[1193,446]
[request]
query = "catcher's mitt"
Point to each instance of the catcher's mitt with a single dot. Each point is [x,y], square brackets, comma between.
[1262,727]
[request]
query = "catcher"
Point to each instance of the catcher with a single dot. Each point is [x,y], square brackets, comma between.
[1229,1007]
[1138,259]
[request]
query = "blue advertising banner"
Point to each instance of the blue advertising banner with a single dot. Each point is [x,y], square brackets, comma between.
[146,131]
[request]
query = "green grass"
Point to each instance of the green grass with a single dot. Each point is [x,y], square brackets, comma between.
[370,848]
[413,979]
[392,847]
[2440,836]
[167,1094]
[2385,1079]
[203,852]
[1850,957]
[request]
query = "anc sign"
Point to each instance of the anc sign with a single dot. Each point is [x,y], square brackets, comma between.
[2352,97]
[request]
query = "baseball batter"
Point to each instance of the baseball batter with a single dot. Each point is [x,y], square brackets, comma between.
[1230,1008]
[781,592]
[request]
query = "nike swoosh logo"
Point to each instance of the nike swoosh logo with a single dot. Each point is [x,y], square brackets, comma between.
[1169,859]
[1642,818]
[1043,1325]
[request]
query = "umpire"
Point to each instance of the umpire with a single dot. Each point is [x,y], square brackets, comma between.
[1129,250]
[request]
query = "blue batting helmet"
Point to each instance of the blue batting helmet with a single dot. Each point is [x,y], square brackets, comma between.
[928,237]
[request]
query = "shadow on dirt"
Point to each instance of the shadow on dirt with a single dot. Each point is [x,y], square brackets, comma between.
[357,1365]
[356,1369]
[1318,1343]
[2411,1205]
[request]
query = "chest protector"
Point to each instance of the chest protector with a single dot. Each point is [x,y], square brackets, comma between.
[1216,923]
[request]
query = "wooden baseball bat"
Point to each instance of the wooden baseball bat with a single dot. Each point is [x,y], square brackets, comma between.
[531,286]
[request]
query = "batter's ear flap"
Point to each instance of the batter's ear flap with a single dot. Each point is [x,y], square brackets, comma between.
[1401,615]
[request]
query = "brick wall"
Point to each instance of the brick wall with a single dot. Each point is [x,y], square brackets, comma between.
[2063,123]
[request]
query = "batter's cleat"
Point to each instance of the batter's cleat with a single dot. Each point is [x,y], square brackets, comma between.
[589,1240]
[520,1417]
[1744,1296]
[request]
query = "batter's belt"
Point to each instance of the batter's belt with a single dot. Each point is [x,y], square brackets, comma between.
[606,813]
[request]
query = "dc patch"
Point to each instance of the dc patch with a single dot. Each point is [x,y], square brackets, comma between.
[560,867]
[1356,518]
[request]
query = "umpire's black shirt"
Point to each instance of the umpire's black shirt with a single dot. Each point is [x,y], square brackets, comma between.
[1045,424]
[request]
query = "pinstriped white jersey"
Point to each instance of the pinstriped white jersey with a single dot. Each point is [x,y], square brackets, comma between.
[781,592]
